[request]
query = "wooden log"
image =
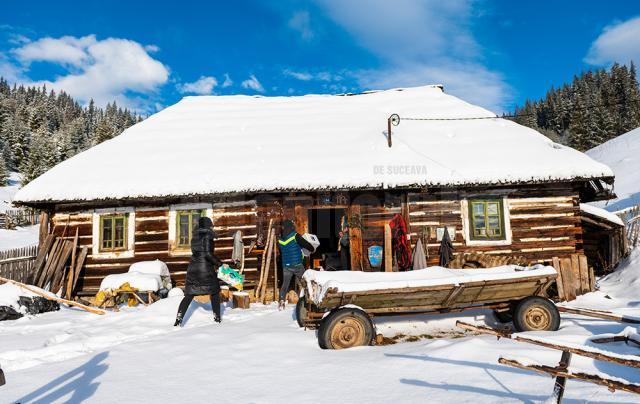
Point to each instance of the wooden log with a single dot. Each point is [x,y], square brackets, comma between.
[241,300]
[54,298]
[43,232]
[225,294]
[270,247]
[606,315]
[543,369]
[263,260]
[54,255]
[558,346]
[388,250]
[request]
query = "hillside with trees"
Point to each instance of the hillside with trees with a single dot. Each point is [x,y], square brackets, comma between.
[595,107]
[40,128]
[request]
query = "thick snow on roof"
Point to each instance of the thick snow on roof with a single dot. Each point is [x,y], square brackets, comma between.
[601,213]
[622,154]
[219,144]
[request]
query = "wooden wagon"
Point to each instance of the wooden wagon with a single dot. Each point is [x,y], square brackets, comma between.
[342,311]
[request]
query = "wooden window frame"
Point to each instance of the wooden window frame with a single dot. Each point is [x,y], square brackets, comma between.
[501,216]
[190,212]
[125,238]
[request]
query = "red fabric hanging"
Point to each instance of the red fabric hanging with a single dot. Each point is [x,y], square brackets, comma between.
[400,242]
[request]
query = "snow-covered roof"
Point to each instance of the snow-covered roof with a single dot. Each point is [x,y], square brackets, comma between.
[222,144]
[622,154]
[601,213]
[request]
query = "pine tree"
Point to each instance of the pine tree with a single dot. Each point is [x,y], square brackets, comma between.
[595,107]
[4,173]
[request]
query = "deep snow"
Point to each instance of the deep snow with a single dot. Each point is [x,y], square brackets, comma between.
[238,143]
[20,237]
[622,154]
[261,356]
[7,192]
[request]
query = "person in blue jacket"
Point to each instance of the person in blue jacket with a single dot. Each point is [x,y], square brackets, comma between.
[291,244]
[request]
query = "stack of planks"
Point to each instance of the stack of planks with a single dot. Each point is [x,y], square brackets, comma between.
[575,277]
[57,267]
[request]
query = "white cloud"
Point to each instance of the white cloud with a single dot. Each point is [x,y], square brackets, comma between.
[227,81]
[420,43]
[203,86]
[300,21]
[302,76]
[617,43]
[307,76]
[252,83]
[103,70]
[64,50]
[152,48]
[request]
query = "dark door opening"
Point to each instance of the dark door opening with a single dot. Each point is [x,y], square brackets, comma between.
[325,224]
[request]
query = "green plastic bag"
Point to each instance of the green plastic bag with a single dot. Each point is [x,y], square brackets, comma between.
[230,276]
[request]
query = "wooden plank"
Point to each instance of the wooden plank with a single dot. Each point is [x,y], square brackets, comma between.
[60,270]
[388,251]
[575,269]
[568,279]
[559,280]
[584,274]
[78,268]
[43,250]
[69,284]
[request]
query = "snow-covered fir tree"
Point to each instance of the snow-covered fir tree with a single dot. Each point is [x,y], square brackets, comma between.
[597,106]
[40,128]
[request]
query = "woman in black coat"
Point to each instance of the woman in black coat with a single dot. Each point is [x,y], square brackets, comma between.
[202,278]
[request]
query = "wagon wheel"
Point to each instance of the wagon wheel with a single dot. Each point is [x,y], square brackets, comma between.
[536,314]
[345,328]
[301,311]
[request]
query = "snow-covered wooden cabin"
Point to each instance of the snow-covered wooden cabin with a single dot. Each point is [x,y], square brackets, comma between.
[500,188]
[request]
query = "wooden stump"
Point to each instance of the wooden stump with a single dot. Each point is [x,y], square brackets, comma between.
[225,294]
[292,297]
[241,300]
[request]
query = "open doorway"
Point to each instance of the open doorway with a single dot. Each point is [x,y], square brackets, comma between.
[325,224]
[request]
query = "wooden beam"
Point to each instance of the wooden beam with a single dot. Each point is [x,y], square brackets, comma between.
[557,372]
[388,250]
[54,298]
[606,315]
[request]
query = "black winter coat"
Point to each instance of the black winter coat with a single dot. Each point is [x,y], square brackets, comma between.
[202,278]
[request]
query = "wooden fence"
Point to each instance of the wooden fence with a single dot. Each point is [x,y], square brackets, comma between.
[11,218]
[18,264]
[631,218]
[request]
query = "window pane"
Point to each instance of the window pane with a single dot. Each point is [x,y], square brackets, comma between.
[119,233]
[478,209]
[479,223]
[494,222]
[492,208]
[107,232]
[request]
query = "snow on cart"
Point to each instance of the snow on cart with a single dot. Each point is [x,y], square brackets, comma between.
[341,304]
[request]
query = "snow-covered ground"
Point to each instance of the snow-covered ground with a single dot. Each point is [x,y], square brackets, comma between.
[622,154]
[261,356]
[7,192]
[20,237]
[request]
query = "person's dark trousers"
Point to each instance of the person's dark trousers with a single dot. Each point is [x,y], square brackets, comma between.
[345,258]
[186,301]
[287,274]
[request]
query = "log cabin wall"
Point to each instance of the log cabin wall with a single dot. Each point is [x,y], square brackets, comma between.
[544,223]
[151,241]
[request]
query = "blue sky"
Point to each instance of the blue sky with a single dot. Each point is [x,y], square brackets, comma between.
[147,55]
